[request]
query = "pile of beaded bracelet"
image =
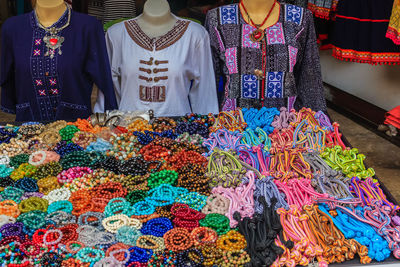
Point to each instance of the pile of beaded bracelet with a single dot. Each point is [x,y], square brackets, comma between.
[139,125]
[216,204]
[217,222]
[48,184]
[68,132]
[83,139]
[69,175]
[43,157]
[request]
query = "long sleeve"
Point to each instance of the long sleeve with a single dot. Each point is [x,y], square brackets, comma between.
[211,24]
[114,64]
[98,68]
[7,79]
[308,70]
[203,94]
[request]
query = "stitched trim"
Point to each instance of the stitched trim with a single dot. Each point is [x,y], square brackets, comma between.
[137,35]
[152,93]
[160,70]
[156,79]
[145,78]
[145,70]
[172,36]
[158,62]
[166,40]
[73,106]
[7,110]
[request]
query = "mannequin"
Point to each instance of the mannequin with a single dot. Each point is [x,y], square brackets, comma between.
[267,53]
[156,18]
[49,11]
[50,59]
[163,63]
[257,11]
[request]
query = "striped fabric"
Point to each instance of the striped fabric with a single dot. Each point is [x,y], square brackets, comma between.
[96,9]
[116,9]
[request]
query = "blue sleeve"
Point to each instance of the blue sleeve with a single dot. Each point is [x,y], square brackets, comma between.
[7,76]
[98,66]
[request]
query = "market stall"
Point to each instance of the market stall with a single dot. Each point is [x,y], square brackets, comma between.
[246,188]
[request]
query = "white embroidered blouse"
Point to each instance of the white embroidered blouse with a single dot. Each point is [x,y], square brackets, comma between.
[172,74]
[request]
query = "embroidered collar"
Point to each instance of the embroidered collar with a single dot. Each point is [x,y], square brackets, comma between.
[162,42]
[59,23]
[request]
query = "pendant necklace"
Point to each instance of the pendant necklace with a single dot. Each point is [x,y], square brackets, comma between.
[258,34]
[52,39]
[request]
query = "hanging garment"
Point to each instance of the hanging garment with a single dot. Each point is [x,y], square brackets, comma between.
[40,87]
[172,74]
[300,3]
[118,9]
[393,31]
[360,31]
[289,50]
[96,9]
[322,8]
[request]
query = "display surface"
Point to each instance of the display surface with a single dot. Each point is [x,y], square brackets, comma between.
[48,73]
[281,70]
[246,188]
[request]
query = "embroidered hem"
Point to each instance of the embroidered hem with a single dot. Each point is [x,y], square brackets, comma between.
[393,35]
[319,12]
[366,57]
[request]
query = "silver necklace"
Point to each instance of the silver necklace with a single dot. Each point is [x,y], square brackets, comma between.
[52,39]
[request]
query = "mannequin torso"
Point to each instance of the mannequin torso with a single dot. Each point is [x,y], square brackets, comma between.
[258,10]
[156,19]
[49,11]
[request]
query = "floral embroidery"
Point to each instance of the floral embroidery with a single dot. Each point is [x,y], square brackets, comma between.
[38,41]
[275,34]
[275,84]
[36,52]
[231,60]
[250,86]
[229,14]
[292,57]
[246,41]
[38,82]
[294,14]
[53,81]
[42,92]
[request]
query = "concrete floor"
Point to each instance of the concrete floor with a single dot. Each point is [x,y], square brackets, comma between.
[381,155]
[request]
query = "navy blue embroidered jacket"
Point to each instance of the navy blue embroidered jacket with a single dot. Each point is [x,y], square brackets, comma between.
[40,88]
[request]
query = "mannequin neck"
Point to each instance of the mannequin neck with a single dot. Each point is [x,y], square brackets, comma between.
[259,9]
[257,6]
[156,18]
[49,11]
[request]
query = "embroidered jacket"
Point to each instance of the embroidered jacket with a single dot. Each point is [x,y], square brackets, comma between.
[41,88]
[292,67]
[172,74]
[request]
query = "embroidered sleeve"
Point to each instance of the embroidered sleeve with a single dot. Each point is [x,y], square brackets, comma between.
[308,69]
[7,79]
[203,94]
[211,25]
[98,67]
